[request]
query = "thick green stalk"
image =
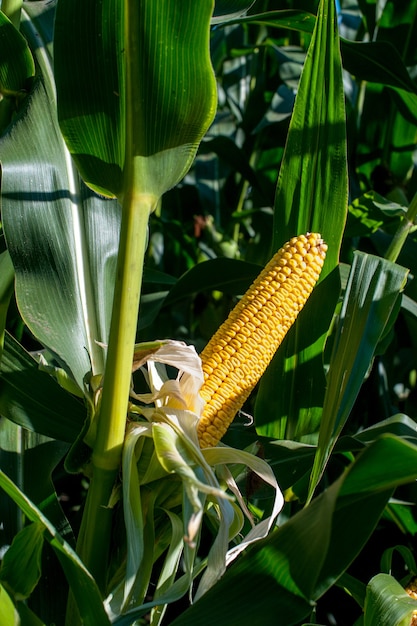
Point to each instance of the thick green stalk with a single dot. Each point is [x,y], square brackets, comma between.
[93,546]
[118,372]
[403,231]
[94,538]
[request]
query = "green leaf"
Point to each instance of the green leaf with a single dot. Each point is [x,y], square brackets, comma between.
[228,9]
[28,617]
[222,274]
[135,94]
[62,239]
[83,586]
[371,297]
[290,397]
[376,61]
[32,399]
[288,572]
[16,70]
[370,212]
[21,566]
[398,25]
[227,275]
[20,452]
[387,604]
[16,61]
[8,613]
[311,195]
[291,19]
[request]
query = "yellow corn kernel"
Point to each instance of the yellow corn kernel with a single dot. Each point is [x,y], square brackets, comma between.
[239,352]
[411,589]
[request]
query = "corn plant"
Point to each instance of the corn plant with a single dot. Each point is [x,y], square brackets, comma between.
[155,156]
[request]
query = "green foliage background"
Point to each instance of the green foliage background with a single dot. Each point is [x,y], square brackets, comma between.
[296,145]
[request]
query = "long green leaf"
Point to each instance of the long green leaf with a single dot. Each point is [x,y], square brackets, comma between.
[285,574]
[311,196]
[370,300]
[83,586]
[62,239]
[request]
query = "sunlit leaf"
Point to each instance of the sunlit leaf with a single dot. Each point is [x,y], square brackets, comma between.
[136,93]
[285,574]
[62,239]
[8,614]
[311,196]
[371,298]
[387,603]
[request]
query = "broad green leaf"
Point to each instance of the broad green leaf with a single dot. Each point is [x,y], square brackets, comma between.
[83,586]
[34,400]
[62,239]
[387,604]
[370,300]
[311,195]
[21,565]
[20,453]
[135,94]
[285,574]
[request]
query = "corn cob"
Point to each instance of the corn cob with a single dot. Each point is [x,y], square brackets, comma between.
[239,352]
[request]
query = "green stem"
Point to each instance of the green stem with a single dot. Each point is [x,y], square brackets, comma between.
[94,538]
[12,9]
[93,544]
[403,231]
[118,372]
